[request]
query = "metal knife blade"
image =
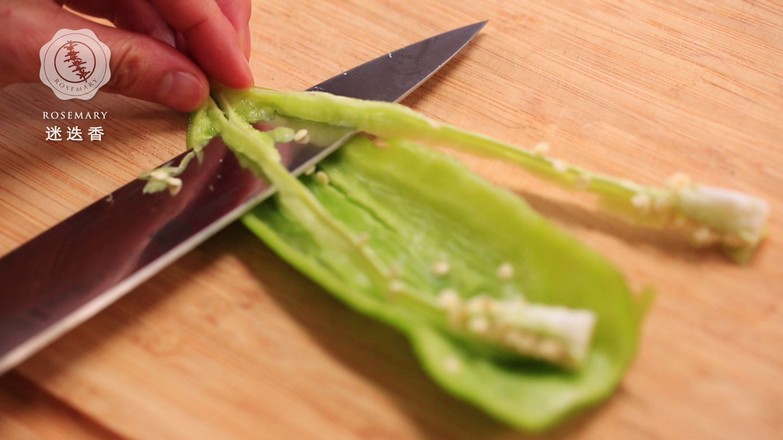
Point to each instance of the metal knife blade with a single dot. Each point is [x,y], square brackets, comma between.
[78,267]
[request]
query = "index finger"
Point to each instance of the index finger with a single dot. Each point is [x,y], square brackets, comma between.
[212,39]
[238,14]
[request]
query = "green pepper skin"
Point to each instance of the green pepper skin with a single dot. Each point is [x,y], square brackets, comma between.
[416,207]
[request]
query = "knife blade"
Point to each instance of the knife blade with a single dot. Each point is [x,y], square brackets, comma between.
[72,271]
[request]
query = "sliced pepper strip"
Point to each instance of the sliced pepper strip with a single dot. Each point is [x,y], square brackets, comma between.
[734,220]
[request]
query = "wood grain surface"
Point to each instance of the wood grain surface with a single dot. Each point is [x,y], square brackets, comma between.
[230,342]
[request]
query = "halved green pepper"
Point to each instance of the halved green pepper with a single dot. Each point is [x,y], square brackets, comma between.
[411,237]
[419,207]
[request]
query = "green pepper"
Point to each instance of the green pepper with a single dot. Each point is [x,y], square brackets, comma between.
[417,208]
[734,220]
[503,309]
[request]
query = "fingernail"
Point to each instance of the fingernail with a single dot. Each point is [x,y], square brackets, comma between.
[180,90]
[165,35]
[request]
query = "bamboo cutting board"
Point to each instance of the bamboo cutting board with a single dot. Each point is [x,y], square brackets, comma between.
[230,342]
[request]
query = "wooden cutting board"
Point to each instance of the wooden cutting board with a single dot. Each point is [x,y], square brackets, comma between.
[230,342]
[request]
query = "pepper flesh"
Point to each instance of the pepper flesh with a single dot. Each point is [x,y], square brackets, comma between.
[415,206]
[372,234]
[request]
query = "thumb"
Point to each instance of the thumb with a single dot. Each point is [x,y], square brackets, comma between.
[141,67]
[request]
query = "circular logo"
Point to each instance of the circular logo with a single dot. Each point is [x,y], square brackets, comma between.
[75,64]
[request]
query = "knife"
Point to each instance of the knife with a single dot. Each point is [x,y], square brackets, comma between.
[71,272]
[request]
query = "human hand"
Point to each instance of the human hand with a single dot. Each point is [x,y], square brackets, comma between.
[162,51]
